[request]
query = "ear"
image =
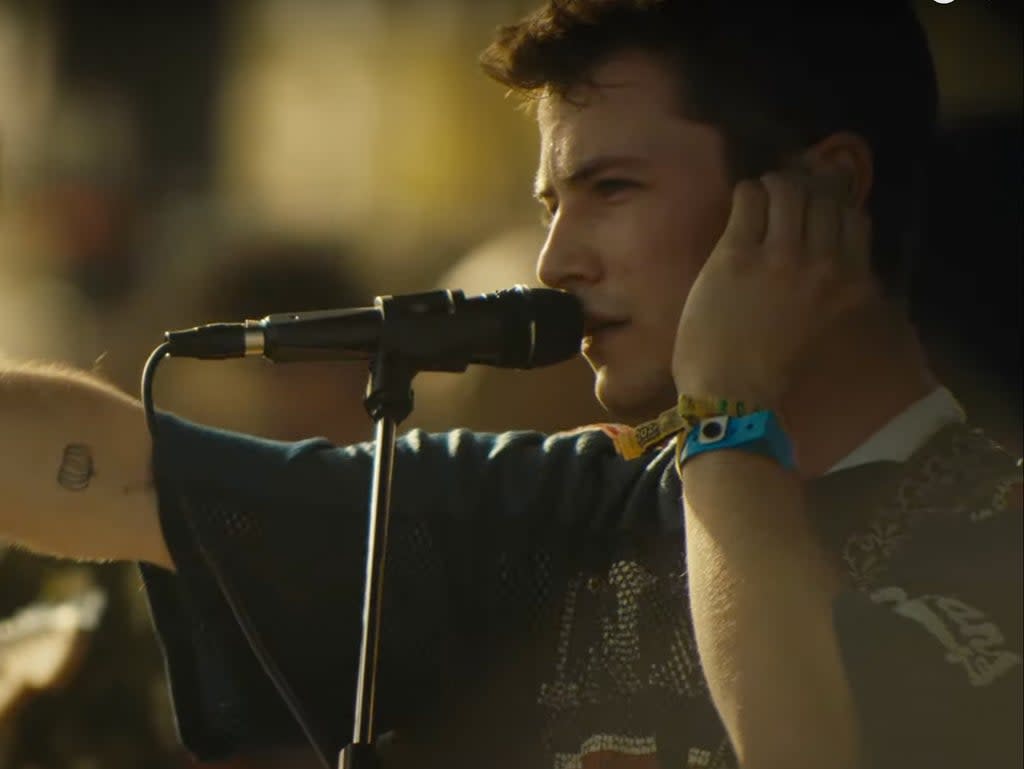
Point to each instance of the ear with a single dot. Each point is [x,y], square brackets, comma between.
[843,161]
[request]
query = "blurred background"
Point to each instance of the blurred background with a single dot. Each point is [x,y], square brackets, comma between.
[168,164]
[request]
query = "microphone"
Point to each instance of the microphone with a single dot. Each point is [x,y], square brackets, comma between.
[518,327]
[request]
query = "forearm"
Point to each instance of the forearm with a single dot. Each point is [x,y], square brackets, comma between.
[761,592]
[74,467]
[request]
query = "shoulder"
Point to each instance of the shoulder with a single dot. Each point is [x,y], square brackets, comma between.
[952,512]
[963,474]
[609,430]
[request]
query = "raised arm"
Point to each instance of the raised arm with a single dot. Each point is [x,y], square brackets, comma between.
[75,478]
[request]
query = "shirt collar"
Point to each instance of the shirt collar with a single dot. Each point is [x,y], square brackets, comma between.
[907,431]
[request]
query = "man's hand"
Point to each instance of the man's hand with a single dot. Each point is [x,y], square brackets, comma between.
[792,261]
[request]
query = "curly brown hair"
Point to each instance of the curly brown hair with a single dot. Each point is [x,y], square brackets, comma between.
[772,77]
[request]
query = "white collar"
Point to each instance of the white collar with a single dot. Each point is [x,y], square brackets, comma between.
[907,431]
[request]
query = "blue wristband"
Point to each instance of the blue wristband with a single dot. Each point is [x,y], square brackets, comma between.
[759,433]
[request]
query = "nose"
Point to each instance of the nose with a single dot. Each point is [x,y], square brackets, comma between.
[567,259]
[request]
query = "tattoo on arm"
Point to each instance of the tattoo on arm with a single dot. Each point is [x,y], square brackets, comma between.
[76,468]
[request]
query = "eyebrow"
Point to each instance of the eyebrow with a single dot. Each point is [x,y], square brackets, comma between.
[543,189]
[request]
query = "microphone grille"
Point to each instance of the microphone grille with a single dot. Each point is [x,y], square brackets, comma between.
[555,321]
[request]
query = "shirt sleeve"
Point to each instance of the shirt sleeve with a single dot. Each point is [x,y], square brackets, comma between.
[933,653]
[268,542]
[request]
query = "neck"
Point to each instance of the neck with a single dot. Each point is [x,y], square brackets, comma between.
[863,375]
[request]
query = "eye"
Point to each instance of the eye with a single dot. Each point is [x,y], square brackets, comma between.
[608,187]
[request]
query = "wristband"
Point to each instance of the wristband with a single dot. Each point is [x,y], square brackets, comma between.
[633,442]
[758,433]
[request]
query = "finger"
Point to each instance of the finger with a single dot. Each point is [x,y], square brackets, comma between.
[856,240]
[831,184]
[787,199]
[749,215]
[823,228]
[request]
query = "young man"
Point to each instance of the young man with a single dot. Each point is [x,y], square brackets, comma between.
[728,195]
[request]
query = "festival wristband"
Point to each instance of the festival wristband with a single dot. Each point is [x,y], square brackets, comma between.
[633,442]
[758,433]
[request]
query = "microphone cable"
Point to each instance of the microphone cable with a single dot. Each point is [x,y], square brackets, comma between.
[318,742]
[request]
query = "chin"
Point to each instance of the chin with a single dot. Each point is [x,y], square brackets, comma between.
[633,398]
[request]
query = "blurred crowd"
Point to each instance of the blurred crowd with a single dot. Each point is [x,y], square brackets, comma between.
[100,253]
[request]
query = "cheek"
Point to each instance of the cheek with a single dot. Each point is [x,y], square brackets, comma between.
[672,239]
[677,233]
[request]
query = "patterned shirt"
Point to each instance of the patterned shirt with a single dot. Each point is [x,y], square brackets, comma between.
[536,607]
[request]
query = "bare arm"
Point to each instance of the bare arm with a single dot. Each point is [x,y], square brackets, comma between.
[761,592]
[75,478]
[787,285]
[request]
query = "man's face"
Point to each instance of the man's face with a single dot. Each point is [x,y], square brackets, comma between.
[639,196]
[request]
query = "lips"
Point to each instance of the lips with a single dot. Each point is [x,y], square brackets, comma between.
[594,324]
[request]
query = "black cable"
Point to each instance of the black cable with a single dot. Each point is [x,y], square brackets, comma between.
[148,374]
[319,744]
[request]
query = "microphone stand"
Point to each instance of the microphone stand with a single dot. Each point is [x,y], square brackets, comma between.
[388,401]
